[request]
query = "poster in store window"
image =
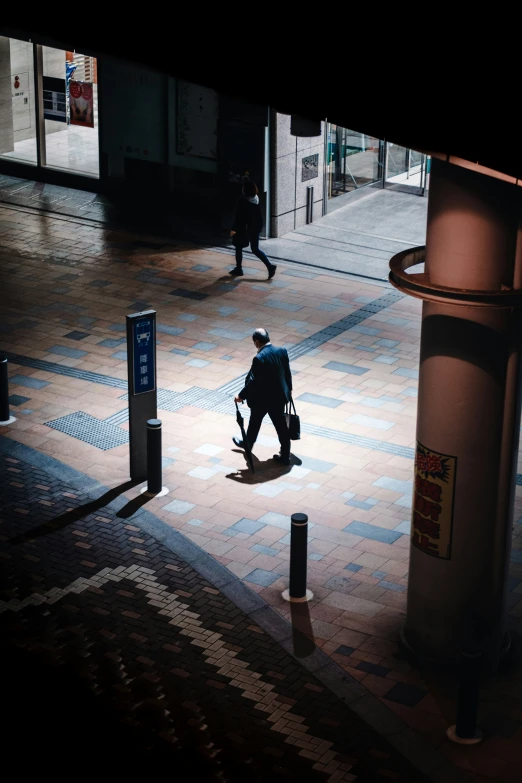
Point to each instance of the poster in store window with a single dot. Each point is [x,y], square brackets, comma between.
[433,499]
[81,103]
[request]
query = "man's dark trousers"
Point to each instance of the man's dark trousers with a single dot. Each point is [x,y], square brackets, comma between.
[277,415]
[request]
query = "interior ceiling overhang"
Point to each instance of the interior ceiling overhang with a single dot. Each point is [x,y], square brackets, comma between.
[443,92]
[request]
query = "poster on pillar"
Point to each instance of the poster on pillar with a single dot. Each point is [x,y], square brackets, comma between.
[433,498]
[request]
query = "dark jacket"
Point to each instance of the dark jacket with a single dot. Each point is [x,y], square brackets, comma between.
[269,382]
[249,218]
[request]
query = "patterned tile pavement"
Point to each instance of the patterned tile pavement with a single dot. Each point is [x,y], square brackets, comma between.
[172,663]
[352,469]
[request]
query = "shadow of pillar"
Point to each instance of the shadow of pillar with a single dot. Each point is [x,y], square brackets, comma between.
[302,632]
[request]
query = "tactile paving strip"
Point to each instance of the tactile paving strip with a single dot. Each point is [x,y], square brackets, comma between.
[224,405]
[108,434]
[71,372]
[326,334]
[171,401]
[167,399]
[90,430]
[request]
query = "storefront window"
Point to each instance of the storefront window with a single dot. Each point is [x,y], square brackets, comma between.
[59,127]
[70,98]
[17,101]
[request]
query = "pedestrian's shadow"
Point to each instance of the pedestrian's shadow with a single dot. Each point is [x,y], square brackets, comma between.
[264,470]
[73,515]
[227,283]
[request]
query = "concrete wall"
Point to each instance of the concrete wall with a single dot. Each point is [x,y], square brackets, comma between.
[22,65]
[53,65]
[288,189]
[6,106]
[18,120]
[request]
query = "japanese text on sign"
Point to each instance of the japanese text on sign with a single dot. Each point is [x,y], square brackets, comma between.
[433,502]
[144,370]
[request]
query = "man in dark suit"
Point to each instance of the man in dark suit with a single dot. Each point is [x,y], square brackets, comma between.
[267,389]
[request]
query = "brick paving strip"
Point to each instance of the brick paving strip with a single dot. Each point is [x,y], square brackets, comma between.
[134,605]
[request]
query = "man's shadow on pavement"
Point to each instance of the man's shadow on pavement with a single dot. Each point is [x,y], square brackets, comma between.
[264,470]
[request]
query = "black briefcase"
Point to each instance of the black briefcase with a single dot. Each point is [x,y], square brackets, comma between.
[292,420]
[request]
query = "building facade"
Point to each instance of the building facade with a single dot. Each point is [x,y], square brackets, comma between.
[112,126]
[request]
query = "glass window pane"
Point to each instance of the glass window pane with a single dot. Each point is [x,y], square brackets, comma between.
[71,111]
[17,104]
[361,158]
[352,160]
[397,161]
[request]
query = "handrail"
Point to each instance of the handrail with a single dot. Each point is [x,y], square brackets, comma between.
[420,286]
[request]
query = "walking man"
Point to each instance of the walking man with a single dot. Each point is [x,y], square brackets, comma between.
[267,389]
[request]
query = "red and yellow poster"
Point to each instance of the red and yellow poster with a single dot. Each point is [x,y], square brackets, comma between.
[433,497]
[81,104]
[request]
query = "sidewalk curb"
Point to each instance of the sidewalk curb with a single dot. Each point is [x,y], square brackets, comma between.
[346,688]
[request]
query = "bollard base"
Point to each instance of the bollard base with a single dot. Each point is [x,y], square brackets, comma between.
[7,421]
[454,737]
[164,491]
[308,597]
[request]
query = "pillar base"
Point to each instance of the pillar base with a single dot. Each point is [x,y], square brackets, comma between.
[451,733]
[164,491]
[451,662]
[7,421]
[308,597]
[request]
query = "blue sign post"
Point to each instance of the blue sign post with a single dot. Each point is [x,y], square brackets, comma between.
[144,365]
[141,368]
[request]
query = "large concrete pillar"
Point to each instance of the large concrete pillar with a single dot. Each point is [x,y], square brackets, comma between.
[468,414]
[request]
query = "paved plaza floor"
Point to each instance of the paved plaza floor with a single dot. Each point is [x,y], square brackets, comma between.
[123,655]
[67,285]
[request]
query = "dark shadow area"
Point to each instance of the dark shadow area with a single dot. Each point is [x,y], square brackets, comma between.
[59,720]
[265,470]
[55,722]
[302,631]
[180,215]
[449,336]
[64,520]
[134,505]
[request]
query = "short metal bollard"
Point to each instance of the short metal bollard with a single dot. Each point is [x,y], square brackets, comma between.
[465,731]
[298,553]
[154,456]
[5,416]
[154,461]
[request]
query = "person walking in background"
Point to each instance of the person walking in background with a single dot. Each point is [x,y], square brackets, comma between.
[247,228]
[267,389]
